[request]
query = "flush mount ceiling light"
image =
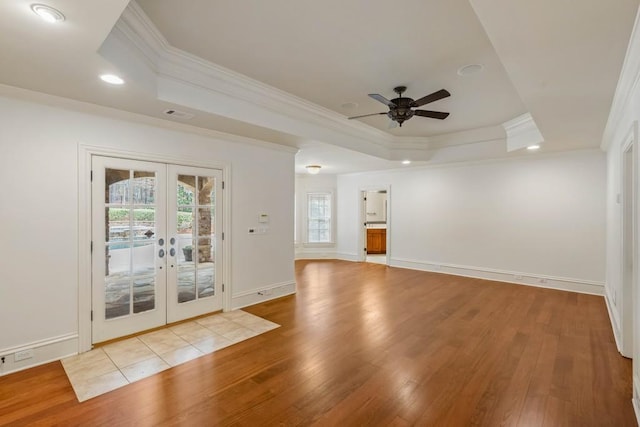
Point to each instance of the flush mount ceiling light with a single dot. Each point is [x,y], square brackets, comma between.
[47,13]
[406,162]
[314,169]
[112,79]
[533,147]
[350,105]
[470,69]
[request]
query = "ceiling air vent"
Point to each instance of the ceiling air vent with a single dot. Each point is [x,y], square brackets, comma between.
[179,114]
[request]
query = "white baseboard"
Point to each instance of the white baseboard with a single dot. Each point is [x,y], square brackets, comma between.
[540,281]
[614,321]
[316,255]
[263,294]
[44,351]
[348,257]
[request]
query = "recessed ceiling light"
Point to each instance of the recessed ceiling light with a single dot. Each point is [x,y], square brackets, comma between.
[349,105]
[533,147]
[470,69]
[47,13]
[406,162]
[112,79]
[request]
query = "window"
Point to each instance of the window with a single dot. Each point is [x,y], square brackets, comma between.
[319,218]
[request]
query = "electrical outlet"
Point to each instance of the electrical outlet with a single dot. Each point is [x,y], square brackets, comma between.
[22,355]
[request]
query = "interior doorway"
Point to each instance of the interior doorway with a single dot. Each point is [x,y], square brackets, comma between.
[375,225]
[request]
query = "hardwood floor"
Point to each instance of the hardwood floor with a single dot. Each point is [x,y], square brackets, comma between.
[366,344]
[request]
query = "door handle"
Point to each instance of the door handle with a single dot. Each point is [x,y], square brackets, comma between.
[161,253]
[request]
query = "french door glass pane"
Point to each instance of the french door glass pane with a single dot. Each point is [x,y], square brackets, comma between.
[144,294]
[130,237]
[186,284]
[205,282]
[116,297]
[196,243]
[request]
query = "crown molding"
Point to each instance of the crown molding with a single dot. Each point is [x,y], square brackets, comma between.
[168,62]
[178,77]
[73,105]
[522,132]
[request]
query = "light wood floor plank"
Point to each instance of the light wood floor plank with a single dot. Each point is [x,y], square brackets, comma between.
[366,344]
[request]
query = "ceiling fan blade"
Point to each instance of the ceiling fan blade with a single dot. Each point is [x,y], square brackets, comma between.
[431,114]
[382,99]
[366,115]
[435,96]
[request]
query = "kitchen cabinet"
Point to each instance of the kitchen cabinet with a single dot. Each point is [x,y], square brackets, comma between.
[376,241]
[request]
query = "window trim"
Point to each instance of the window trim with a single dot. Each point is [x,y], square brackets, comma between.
[332,228]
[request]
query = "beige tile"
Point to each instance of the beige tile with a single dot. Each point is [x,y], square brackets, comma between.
[99,385]
[246,322]
[212,343]
[213,321]
[240,334]
[128,352]
[256,323]
[181,355]
[236,314]
[163,341]
[225,328]
[144,369]
[262,327]
[88,356]
[96,372]
[184,328]
[92,365]
[84,359]
[195,332]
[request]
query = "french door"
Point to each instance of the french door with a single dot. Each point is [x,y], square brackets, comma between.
[156,236]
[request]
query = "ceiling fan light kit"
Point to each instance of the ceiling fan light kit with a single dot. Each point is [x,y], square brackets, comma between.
[401,108]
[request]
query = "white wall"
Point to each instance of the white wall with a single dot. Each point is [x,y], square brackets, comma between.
[623,302]
[541,217]
[39,211]
[305,184]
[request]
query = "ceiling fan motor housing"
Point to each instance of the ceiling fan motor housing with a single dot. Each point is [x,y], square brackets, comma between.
[402,111]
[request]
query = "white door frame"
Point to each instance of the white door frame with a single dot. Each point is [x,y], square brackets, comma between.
[629,240]
[362,218]
[85,152]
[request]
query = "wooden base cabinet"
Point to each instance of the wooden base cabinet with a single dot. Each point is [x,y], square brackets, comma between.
[376,241]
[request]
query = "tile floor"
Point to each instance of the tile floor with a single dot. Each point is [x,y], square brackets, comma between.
[115,365]
[377,259]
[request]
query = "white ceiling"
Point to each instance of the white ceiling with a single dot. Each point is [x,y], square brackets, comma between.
[333,52]
[557,60]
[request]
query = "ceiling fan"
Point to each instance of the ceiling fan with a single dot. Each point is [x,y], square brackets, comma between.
[401,109]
